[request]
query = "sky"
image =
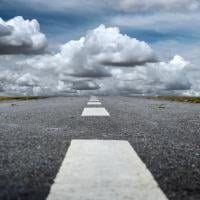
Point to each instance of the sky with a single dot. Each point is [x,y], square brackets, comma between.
[107,47]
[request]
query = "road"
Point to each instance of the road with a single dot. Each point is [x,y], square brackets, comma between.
[35,136]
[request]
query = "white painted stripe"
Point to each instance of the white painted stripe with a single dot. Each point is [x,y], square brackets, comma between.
[95,111]
[93,100]
[104,170]
[93,97]
[94,103]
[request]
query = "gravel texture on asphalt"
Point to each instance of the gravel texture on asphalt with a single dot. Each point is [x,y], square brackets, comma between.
[35,135]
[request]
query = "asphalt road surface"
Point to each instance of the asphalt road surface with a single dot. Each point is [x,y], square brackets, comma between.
[35,136]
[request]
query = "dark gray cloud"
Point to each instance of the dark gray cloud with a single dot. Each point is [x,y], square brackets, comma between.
[100,72]
[179,85]
[24,48]
[5,30]
[129,63]
[85,85]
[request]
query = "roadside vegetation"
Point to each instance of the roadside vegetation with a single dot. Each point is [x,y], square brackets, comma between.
[8,98]
[178,98]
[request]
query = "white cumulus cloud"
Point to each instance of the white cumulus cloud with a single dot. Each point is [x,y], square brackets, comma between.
[27,80]
[91,55]
[20,36]
[102,62]
[155,78]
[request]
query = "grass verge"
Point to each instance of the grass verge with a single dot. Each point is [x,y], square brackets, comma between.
[22,98]
[178,98]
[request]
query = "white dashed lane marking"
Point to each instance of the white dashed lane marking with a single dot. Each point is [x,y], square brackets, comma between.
[95,111]
[94,103]
[104,170]
[93,99]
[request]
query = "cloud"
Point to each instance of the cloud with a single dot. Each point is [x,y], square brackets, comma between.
[100,72]
[102,62]
[109,47]
[28,80]
[5,30]
[158,21]
[85,85]
[146,5]
[122,5]
[19,36]
[103,47]
[160,27]
[65,88]
[16,84]
[91,56]
[157,78]
[60,5]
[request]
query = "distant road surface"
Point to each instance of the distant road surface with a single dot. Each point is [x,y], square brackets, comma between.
[35,136]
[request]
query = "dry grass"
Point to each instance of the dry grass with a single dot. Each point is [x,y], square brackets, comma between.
[178,98]
[23,98]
